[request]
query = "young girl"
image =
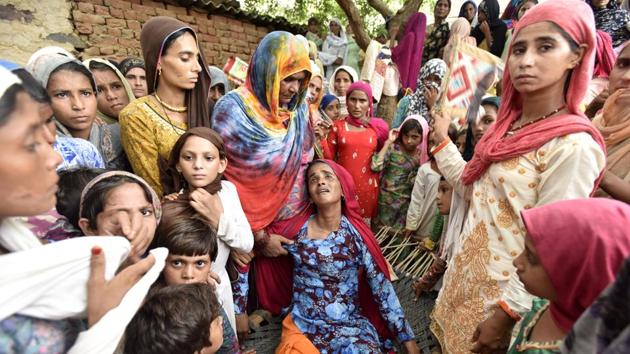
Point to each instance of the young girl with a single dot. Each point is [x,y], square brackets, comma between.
[114,92]
[570,257]
[195,170]
[399,159]
[329,107]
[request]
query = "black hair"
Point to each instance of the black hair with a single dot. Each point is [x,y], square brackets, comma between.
[71,184]
[95,199]
[76,67]
[32,86]
[95,65]
[448,1]
[8,102]
[173,319]
[171,39]
[184,232]
[469,145]
[518,8]
[453,133]
[408,126]
[313,21]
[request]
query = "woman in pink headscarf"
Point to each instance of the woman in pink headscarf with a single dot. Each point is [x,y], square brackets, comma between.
[541,149]
[352,142]
[407,55]
[598,88]
[460,30]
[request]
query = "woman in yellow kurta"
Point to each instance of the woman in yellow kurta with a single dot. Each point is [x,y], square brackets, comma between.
[178,82]
[540,150]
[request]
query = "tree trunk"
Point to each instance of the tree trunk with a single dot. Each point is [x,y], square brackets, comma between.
[381,8]
[356,22]
[402,16]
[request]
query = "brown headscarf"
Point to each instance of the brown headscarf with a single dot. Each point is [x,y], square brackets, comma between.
[154,34]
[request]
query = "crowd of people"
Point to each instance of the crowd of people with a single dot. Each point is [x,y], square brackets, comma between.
[154,205]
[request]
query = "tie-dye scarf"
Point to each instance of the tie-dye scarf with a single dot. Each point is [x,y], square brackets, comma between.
[268,146]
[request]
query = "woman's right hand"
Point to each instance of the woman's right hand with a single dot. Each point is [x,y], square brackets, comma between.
[430,95]
[103,295]
[274,246]
[321,129]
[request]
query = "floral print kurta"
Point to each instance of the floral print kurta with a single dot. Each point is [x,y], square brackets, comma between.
[326,292]
[480,271]
[399,172]
[353,150]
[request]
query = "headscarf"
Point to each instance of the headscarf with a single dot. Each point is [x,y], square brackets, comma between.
[380,127]
[407,55]
[580,253]
[121,77]
[612,20]
[460,31]
[498,28]
[573,17]
[155,200]
[265,156]
[462,12]
[326,100]
[422,149]
[154,34]
[7,79]
[44,64]
[217,76]
[341,39]
[47,51]
[129,64]
[353,75]
[417,104]
[276,274]
[604,55]
[316,73]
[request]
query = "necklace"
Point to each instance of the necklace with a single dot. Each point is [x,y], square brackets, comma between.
[512,130]
[169,107]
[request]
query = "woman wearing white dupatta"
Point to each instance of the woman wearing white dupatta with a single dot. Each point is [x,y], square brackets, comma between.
[334,48]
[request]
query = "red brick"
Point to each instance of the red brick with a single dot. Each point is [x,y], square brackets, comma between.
[218,19]
[249,26]
[241,36]
[251,31]
[128,43]
[187,19]
[238,29]
[143,9]
[225,40]
[105,40]
[153,4]
[116,22]
[177,9]
[85,7]
[130,15]
[134,25]
[163,12]
[84,28]
[118,4]
[92,52]
[211,31]
[99,29]
[107,50]
[135,2]
[127,33]
[79,16]
[252,39]
[222,25]
[117,13]
[212,39]
[101,10]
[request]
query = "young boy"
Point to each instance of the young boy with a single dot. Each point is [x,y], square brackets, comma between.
[182,319]
[313,32]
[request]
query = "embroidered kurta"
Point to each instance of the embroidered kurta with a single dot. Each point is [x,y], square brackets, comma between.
[522,343]
[147,134]
[481,272]
[326,291]
[353,150]
[399,171]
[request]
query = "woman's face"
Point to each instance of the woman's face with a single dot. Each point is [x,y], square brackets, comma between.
[485,121]
[290,87]
[112,97]
[315,88]
[524,8]
[323,185]
[532,274]
[620,75]
[541,59]
[358,104]
[137,78]
[433,80]
[199,162]
[180,64]
[335,28]
[72,100]
[442,8]
[180,269]
[343,80]
[469,12]
[461,143]
[332,110]
[217,91]
[28,162]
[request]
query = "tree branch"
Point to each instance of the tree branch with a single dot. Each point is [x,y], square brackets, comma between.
[356,22]
[381,8]
[402,15]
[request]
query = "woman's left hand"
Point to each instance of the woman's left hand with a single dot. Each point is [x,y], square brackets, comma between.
[411,347]
[493,334]
[208,205]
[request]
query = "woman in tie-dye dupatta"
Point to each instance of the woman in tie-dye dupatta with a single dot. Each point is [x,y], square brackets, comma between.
[269,143]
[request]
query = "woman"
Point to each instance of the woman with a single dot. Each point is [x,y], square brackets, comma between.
[352,142]
[407,55]
[612,20]
[437,33]
[41,304]
[113,91]
[72,89]
[468,11]
[491,31]
[136,75]
[605,57]
[460,31]
[539,139]
[219,84]
[614,124]
[338,84]
[428,87]
[264,125]
[332,232]
[525,6]
[178,84]
[334,48]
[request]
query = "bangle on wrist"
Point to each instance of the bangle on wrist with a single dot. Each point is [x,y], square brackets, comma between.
[506,308]
[440,146]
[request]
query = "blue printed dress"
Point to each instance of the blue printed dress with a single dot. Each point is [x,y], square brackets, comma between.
[326,293]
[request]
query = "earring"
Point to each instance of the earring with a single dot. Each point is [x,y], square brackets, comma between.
[159,71]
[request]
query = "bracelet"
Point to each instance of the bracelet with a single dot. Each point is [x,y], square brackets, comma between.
[440,146]
[506,308]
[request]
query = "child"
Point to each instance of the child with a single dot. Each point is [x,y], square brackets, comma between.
[183,319]
[399,160]
[329,108]
[196,165]
[570,257]
[114,92]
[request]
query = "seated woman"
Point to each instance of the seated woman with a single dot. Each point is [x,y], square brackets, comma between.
[334,251]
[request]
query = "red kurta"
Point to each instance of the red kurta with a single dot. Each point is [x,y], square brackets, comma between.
[353,150]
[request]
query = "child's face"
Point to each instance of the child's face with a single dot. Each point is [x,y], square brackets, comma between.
[411,140]
[181,269]
[332,110]
[532,274]
[313,27]
[461,143]
[315,89]
[216,336]
[199,162]
[485,121]
[443,199]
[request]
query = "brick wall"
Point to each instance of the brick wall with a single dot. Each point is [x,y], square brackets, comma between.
[111,28]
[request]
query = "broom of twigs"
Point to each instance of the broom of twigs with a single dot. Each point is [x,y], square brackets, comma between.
[404,253]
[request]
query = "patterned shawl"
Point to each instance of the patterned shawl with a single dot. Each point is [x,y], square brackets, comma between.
[417,104]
